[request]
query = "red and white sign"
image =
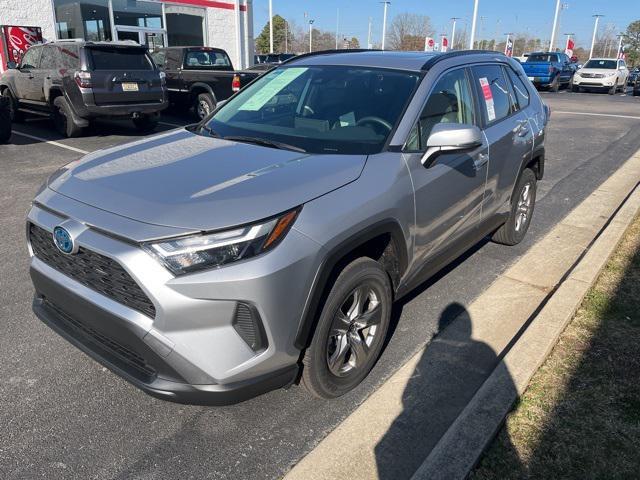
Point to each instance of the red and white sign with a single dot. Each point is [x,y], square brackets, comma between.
[429,44]
[569,48]
[488,98]
[14,41]
[444,45]
[508,48]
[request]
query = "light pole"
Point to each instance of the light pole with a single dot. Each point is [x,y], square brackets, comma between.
[286,37]
[270,26]
[369,36]
[384,23]
[337,26]
[555,26]
[473,24]
[453,32]
[481,42]
[495,41]
[595,30]
[311,35]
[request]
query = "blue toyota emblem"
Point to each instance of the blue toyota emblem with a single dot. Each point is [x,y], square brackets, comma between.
[63,240]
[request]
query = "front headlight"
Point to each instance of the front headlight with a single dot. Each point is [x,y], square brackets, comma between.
[612,74]
[211,250]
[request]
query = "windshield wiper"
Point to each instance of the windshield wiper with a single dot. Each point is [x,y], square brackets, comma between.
[264,142]
[210,131]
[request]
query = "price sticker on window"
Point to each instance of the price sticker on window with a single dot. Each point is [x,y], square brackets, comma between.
[488,98]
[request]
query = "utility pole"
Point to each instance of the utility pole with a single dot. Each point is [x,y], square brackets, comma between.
[453,32]
[270,26]
[311,35]
[473,25]
[595,30]
[286,37]
[384,23]
[495,41]
[369,45]
[337,26]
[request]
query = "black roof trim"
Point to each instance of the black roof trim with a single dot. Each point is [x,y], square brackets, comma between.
[457,53]
[328,52]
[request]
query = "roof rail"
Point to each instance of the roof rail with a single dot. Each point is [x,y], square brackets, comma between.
[456,53]
[329,52]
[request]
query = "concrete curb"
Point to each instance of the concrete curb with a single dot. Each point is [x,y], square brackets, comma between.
[460,448]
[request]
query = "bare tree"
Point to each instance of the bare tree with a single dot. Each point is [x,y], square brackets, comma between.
[408,31]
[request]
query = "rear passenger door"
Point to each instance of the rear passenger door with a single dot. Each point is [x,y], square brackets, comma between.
[449,190]
[508,132]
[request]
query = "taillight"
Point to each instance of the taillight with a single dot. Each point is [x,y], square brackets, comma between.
[83,79]
[235,85]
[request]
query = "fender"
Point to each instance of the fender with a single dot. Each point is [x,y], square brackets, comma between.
[202,85]
[332,260]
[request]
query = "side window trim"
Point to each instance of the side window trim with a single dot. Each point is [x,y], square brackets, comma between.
[416,121]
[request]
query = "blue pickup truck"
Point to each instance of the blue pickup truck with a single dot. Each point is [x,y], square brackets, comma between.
[549,70]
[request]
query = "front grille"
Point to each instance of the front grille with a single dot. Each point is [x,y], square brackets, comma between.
[99,273]
[592,75]
[121,355]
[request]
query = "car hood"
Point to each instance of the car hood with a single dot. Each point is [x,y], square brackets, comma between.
[181,179]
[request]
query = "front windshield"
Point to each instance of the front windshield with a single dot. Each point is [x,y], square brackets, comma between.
[325,109]
[608,64]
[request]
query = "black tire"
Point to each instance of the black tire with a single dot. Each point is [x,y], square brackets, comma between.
[63,119]
[203,105]
[636,92]
[16,115]
[515,228]
[575,89]
[318,377]
[146,123]
[555,85]
[613,90]
[5,120]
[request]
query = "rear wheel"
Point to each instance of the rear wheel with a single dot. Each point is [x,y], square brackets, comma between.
[555,85]
[63,119]
[15,114]
[522,206]
[146,123]
[203,105]
[351,330]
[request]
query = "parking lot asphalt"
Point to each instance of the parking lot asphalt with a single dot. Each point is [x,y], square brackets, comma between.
[65,416]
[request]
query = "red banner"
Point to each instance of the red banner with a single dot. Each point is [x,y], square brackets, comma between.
[15,41]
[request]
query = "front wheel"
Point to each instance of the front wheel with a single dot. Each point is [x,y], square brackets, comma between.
[14,113]
[351,330]
[555,85]
[575,89]
[522,205]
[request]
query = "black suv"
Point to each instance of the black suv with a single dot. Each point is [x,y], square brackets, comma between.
[76,81]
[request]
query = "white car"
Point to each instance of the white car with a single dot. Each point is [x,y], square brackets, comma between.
[602,73]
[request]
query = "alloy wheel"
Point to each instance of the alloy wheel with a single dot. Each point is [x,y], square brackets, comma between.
[523,210]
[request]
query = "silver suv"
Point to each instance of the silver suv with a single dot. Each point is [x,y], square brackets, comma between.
[212,263]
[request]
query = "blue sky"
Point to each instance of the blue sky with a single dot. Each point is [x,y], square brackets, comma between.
[533,16]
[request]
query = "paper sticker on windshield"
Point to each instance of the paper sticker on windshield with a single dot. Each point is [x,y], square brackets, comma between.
[488,99]
[281,79]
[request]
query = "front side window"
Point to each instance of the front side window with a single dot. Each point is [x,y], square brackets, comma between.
[320,109]
[607,64]
[31,59]
[206,60]
[494,92]
[522,94]
[449,102]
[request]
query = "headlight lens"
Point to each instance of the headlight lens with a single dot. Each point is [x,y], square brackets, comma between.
[211,250]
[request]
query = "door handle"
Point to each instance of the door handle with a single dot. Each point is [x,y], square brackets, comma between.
[481,160]
[523,128]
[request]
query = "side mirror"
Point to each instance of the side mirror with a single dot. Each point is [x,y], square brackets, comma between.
[451,137]
[12,65]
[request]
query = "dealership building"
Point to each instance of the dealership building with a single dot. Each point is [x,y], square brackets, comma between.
[225,24]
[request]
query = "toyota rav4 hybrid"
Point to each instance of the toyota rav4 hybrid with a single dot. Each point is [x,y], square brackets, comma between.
[267,244]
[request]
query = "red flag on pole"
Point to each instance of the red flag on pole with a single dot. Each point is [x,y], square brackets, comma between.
[569,49]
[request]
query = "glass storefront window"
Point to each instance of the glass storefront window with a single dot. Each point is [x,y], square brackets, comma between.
[88,19]
[137,13]
[184,25]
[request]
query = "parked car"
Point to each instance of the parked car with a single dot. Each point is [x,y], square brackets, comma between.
[636,86]
[551,70]
[200,77]
[5,120]
[602,73]
[214,262]
[76,82]
[633,76]
[260,58]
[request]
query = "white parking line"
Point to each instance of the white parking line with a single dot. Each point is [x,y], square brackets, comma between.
[595,114]
[50,142]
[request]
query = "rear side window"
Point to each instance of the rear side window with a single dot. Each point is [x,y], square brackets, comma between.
[118,59]
[203,59]
[521,92]
[494,92]
[68,57]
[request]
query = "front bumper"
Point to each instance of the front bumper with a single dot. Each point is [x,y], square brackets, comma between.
[190,350]
[607,82]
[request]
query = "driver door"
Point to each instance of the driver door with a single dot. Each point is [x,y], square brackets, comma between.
[449,188]
[25,79]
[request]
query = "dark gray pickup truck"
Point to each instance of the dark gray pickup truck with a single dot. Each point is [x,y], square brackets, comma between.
[200,77]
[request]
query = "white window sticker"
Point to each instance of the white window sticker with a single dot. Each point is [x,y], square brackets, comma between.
[281,79]
[488,98]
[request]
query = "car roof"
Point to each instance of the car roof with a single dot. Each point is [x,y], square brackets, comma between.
[411,61]
[90,43]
